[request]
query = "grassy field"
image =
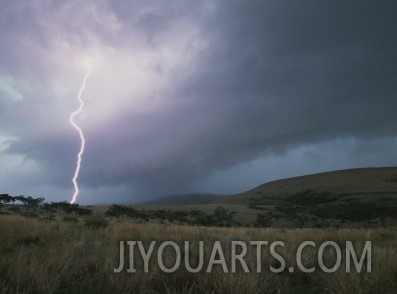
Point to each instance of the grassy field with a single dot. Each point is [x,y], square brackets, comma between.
[56,256]
[63,248]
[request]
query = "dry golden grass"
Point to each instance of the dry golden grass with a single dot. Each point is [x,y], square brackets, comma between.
[58,257]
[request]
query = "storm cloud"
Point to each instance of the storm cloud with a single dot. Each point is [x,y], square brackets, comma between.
[204,95]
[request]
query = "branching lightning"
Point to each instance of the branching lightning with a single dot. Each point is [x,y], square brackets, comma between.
[81,134]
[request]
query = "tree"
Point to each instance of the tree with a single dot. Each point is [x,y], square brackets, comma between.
[119,211]
[222,217]
[5,199]
[264,220]
[83,211]
[204,219]
[30,202]
[35,202]
[299,220]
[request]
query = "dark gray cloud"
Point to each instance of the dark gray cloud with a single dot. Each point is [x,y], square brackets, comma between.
[188,90]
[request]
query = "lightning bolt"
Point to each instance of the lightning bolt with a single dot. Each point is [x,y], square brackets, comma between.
[81,134]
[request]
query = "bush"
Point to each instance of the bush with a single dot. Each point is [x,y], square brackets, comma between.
[30,214]
[96,222]
[263,220]
[223,218]
[70,219]
[47,218]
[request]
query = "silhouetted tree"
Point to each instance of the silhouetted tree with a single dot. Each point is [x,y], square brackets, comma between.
[5,199]
[30,202]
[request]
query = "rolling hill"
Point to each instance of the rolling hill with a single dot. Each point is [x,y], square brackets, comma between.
[353,196]
[361,183]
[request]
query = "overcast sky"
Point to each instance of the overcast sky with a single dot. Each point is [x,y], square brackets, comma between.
[192,96]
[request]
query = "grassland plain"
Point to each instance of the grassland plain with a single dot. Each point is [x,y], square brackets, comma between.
[70,257]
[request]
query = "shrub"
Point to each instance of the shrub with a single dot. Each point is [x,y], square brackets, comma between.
[223,218]
[70,219]
[48,218]
[263,220]
[96,222]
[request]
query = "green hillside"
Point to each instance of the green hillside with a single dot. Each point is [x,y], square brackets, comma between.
[353,196]
[363,183]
